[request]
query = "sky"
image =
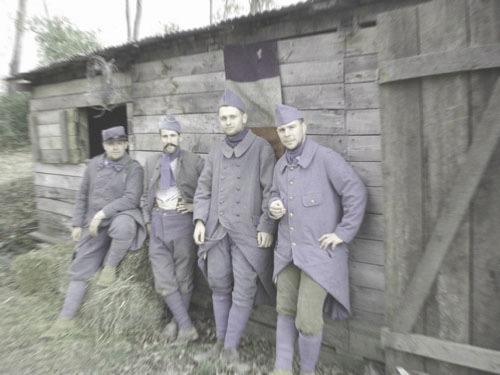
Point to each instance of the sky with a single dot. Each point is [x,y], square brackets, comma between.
[106,18]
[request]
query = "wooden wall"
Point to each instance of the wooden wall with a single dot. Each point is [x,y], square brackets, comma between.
[330,75]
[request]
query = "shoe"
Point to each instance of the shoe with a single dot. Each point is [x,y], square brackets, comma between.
[107,276]
[185,336]
[281,372]
[170,331]
[62,327]
[210,355]
[231,359]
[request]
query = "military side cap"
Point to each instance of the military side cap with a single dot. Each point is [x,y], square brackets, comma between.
[169,122]
[116,132]
[284,114]
[230,99]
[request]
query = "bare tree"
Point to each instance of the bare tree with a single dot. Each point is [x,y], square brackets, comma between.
[133,34]
[18,42]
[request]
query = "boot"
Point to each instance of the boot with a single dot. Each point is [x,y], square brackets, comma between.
[286,335]
[221,305]
[170,331]
[231,359]
[107,277]
[309,349]
[210,355]
[62,327]
[185,336]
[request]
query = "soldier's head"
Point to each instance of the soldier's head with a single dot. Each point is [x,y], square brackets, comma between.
[115,142]
[232,113]
[170,133]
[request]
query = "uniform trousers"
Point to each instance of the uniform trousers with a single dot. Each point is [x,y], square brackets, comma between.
[301,297]
[229,271]
[172,251]
[108,247]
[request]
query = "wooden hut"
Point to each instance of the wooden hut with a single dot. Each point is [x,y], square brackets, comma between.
[437,132]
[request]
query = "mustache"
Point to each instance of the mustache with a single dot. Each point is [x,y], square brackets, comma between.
[170,144]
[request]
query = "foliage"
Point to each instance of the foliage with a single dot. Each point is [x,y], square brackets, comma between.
[59,39]
[235,8]
[171,28]
[14,111]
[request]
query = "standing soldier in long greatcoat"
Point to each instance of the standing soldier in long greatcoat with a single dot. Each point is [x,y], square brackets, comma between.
[319,201]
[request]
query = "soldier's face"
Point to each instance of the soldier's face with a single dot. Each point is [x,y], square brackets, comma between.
[115,149]
[170,140]
[232,120]
[292,134]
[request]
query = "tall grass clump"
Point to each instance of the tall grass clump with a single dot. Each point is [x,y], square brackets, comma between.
[14,109]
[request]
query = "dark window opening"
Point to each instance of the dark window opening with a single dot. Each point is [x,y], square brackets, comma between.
[97,122]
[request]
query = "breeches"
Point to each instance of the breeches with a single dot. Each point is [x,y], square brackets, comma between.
[229,271]
[172,251]
[92,251]
[301,297]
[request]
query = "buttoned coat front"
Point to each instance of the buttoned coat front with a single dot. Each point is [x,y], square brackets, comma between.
[115,190]
[189,168]
[322,194]
[233,190]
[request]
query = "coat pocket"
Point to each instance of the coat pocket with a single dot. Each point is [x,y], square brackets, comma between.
[312,199]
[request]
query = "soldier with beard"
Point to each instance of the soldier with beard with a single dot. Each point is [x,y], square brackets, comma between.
[170,180]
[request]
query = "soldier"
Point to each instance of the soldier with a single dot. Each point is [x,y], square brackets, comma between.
[107,222]
[233,228]
[170,180]
[319,201]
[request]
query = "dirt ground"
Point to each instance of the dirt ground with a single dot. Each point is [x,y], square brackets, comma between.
[25,317]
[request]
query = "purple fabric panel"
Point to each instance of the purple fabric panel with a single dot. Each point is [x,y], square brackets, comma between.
[251,62]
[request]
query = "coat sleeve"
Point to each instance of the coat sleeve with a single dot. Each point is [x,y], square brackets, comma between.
[81,203]
[146,210]
[131,197]
[352,192]
[203,193]
[267,162]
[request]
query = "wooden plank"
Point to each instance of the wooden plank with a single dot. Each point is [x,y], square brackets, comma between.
[190,123]
[320,47]
[364,148]
[191,142]
[47,117]
[485,305]
[397,37]
[184,103]
[456,353]
[373,227]
[330,96]
[55,206]
[370,172]
[312,72]
[364,339]
[453,208]
[75,100]
[362,95]
[367,299]
[61,169]
[49,192]
[375,203]
[50,156]
[360,68]
[54,225]
[34,136]
[65,182]
[361,42]
[363,122]
[367,275]
[431,64]
[52,130]
[337,143]
[201,63]
[367,251]
[77,86]
[51,143]
[199,83]
[325,121]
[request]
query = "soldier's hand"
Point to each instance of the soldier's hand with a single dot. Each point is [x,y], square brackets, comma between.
[277,209]
[329,239]
[76,234]
[199,232]
[264,239]
[95,222]
[184,207]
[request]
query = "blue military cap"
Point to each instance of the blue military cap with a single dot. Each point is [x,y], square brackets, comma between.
[169,122]
[116,132]
[230,99]
[284,114]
